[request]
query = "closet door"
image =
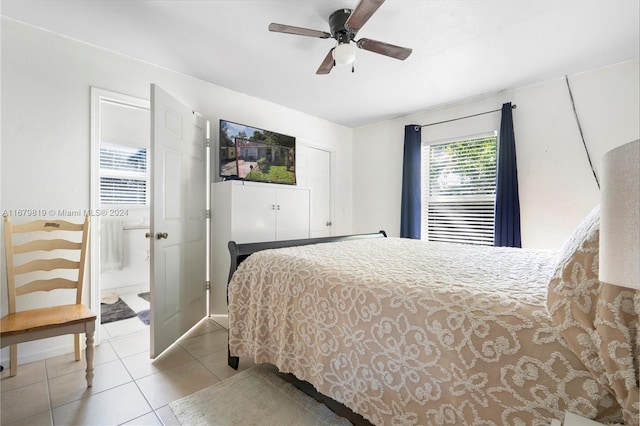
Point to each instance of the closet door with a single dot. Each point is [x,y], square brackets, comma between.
[313,168]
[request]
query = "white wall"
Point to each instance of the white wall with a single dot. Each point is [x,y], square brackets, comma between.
[556,185]
[46,81]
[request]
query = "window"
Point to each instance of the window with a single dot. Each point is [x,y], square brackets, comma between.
[458,190]
[124,174]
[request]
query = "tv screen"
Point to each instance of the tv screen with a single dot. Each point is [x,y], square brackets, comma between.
[255,154]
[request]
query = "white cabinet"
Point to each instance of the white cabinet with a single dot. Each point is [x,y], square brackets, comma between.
[249,212]
[263,212]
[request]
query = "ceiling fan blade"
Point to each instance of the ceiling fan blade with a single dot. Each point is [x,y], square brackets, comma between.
[288,29]
[361,14]
[327,64]
[383,48]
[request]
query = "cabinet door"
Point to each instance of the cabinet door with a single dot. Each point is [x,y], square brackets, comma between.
[253,213]
[292,218]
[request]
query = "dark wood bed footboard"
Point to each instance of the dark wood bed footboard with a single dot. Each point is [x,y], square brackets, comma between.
[240,252]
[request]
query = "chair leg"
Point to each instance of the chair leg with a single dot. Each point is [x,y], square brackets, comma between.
[76,347]
[89,375]
[13,360]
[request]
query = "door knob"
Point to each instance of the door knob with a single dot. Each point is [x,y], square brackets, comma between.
[162,235]
[329,223]
[147,235]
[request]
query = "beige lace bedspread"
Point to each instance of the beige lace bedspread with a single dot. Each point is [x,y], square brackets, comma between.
[409,332]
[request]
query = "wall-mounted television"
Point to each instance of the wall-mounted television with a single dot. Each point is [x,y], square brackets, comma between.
[255,154]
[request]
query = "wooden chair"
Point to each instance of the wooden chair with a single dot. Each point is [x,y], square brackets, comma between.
[39,271]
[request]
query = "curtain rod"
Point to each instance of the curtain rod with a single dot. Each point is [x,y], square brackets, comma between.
[462,118]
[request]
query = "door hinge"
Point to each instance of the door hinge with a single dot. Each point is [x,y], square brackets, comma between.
[207,285]
[207,214]
[207,143]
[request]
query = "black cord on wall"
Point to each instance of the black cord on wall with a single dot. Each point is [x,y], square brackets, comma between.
[575,113]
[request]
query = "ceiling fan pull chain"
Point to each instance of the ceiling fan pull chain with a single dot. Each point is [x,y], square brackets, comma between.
[353,68]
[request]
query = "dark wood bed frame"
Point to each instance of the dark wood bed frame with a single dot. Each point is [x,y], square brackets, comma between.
[240,252]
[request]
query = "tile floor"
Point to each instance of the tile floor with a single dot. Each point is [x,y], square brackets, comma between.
[128,388]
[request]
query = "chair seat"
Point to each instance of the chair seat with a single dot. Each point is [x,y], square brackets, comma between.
[44,318]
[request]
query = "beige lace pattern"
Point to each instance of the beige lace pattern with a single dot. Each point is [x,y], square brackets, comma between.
[408,332]
[599,321]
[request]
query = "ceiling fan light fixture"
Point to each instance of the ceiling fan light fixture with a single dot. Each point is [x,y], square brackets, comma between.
[344,24]
[344,54]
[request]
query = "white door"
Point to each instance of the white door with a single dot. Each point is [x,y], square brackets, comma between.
[314,171]
[178,294]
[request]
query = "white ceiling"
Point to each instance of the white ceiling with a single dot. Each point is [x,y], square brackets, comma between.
[460,48]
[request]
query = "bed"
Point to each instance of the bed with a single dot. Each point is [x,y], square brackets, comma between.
[410,332]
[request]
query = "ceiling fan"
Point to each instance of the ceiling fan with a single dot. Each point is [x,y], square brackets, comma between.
[344,24]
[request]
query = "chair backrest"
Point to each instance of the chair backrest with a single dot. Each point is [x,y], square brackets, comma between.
[25,248]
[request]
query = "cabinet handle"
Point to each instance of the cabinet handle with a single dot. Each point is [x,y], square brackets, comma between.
[273,206]
[329,223]
[278,207]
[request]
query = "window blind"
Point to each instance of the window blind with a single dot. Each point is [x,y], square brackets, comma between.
[460,181]
[124,174]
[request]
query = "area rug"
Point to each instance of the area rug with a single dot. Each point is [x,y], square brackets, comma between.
[145,296]
[144,316]
[256,396]
[115,311]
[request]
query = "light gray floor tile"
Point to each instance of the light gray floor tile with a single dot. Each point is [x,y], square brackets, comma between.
[166,415]
[112,407]
[73,386]
[168,385]
[141,365]
[28,374]
[25,401]
[131,344]
[149,419]
[206,344]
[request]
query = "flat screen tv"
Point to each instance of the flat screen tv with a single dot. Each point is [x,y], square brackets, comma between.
[255,154]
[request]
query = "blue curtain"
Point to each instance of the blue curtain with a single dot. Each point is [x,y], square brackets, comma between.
[507,211]
[410,213]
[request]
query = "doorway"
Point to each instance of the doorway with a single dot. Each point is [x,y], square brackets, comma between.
[120,212]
